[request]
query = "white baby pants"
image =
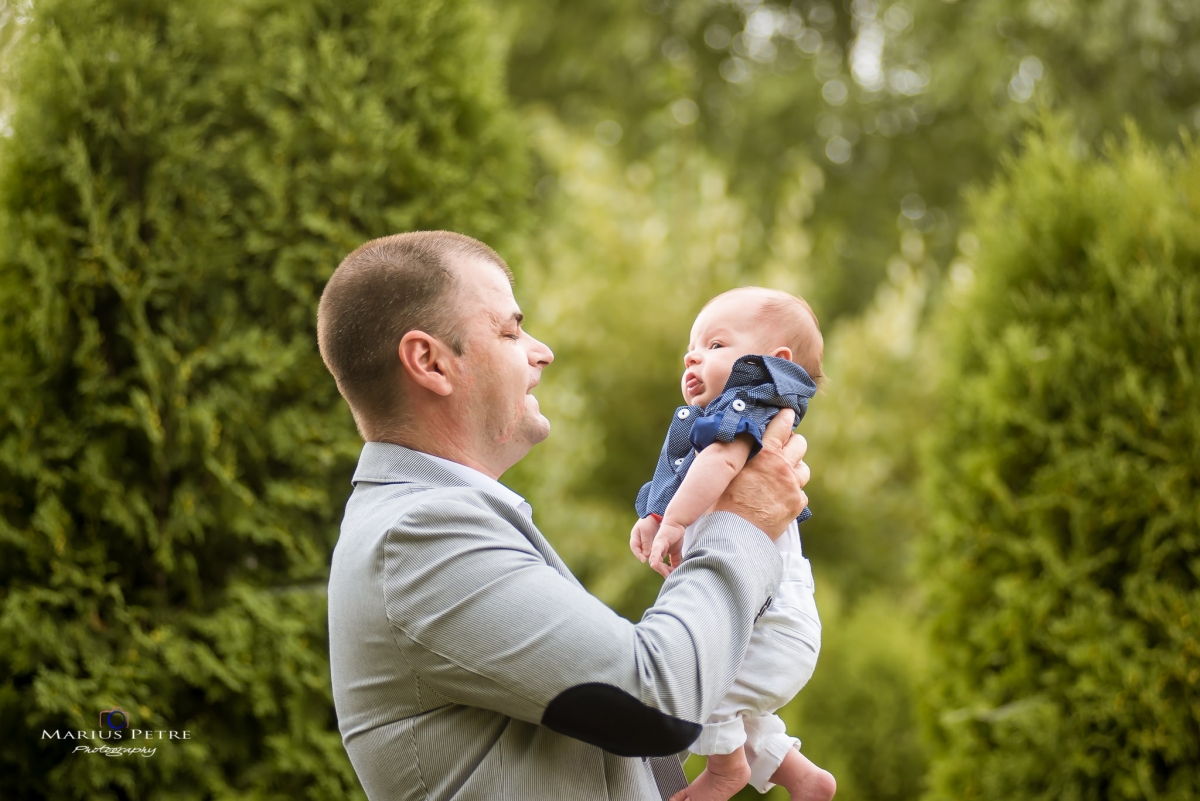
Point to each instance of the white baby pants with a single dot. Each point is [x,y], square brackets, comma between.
[779,661]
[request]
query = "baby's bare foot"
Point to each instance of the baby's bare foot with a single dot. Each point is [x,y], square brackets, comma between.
[804,780]
[724,775]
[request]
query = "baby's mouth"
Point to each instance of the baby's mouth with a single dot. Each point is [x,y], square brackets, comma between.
[693,384]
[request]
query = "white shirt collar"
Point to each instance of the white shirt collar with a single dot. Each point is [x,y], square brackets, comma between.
[478,480]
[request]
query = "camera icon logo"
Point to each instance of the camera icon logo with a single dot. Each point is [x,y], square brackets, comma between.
[114,718]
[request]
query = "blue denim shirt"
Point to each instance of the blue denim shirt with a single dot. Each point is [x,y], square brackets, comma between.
[758,387]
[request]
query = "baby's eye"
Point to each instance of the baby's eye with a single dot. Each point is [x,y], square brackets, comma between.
[715,345]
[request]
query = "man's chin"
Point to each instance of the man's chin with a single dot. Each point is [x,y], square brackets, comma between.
[535,425]
[536,429]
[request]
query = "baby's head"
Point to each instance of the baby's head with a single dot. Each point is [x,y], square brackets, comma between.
[743,321]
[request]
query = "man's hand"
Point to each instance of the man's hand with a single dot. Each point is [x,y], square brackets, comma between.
[642,536]
[767,492]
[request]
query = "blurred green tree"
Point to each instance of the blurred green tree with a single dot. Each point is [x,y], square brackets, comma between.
[901,103]
[177,180]
[1063,565]
[857,718]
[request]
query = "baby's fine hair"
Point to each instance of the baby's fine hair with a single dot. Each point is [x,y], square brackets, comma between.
[790,316]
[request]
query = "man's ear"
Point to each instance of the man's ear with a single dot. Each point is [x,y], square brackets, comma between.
[782,353]
[426,360]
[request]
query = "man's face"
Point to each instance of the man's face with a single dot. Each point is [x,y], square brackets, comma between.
[501,364]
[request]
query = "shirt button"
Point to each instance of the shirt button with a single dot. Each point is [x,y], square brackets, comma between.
[678,462]
[738,405]
[683,414]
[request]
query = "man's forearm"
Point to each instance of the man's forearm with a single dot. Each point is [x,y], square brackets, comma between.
[485,621]
[687,647]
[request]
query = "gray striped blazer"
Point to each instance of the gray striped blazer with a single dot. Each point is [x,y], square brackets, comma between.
[468,663]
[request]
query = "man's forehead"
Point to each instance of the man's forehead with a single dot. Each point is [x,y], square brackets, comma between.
[488,283]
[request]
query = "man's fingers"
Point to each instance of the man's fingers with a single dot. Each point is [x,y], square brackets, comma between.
[779,429]
[795,449]
[803,474]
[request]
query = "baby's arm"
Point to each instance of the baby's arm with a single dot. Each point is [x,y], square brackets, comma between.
[709,475]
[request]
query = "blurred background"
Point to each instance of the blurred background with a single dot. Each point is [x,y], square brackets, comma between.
[992,206]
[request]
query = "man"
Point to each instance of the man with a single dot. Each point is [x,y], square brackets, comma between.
[467,661]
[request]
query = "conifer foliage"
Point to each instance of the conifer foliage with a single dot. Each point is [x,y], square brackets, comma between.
[1064,566]
[180,179]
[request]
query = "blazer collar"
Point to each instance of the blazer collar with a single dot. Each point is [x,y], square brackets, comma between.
[386,463]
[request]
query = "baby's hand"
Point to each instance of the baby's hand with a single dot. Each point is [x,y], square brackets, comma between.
[642,535]
[667,542]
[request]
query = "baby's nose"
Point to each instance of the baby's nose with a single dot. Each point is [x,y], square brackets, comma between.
[690,358]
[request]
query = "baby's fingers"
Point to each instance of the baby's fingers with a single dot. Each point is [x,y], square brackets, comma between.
[674,556]
[657,551]
[635,544]
[645,530]
[663,545]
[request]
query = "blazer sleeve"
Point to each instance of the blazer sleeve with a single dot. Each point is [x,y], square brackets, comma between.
[484,620]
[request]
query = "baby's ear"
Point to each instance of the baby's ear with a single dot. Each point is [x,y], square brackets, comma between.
[782,353]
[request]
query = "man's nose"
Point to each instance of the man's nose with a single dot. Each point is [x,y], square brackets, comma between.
[539,354]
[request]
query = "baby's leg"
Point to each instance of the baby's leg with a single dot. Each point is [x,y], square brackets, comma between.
[804,780]
[774,759]
[721,739]
[724,775]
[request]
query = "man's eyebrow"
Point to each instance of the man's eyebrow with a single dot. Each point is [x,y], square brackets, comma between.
[517,317]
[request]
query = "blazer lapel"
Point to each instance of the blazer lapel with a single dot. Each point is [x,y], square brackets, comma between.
[387,463]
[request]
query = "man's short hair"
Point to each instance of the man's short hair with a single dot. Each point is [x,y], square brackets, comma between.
[381,291]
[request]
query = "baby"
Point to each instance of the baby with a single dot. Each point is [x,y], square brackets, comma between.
[753,352]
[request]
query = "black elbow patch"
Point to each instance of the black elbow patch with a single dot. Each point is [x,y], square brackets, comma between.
[612,719]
